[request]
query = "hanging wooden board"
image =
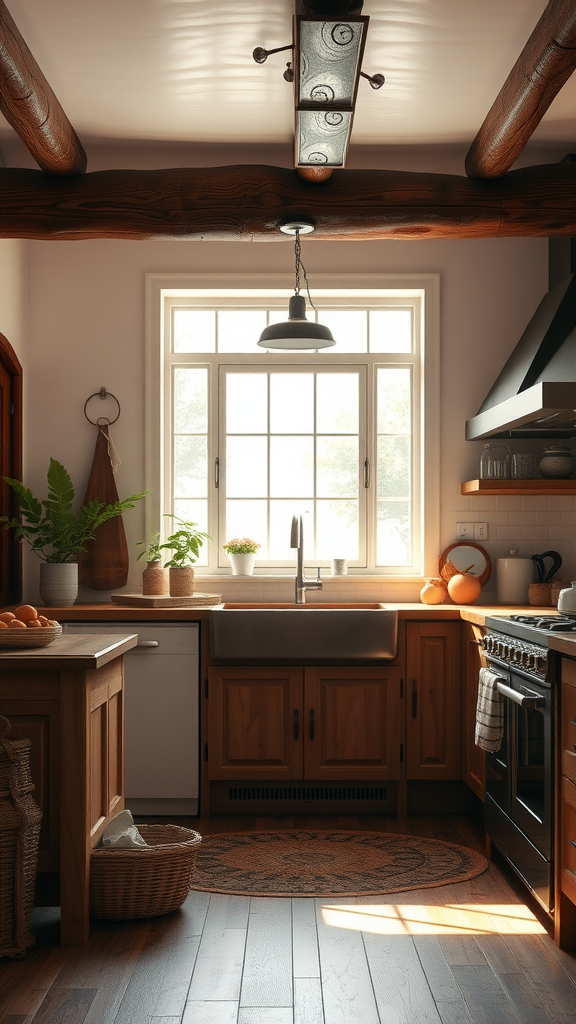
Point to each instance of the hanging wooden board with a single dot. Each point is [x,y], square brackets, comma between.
[104,566]
[165,601]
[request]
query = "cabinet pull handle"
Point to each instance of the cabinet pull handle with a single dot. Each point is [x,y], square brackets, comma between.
[148,643]
[414,698]
[296,724]
[574,721]
[572,842]
[311,724]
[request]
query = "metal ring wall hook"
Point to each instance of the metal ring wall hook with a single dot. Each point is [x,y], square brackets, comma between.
[103,393]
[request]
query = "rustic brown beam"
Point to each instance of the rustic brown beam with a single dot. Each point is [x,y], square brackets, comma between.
[248,203]
[545,64]
[30,106]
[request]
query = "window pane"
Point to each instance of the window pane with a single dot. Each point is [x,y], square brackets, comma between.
[393,533]
[393,467]
[391,330]
[291,467]
[190,401]
[348,326]
[291,403]
[195,512]
[281,513]
[337,467]
[246,403]
[245,519]
[337,403]
[337,530]
[190,466]
[246,467]
[194,330]
[394,401]
[240,329]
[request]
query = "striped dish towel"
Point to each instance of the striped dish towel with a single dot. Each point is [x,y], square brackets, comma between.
[489,712]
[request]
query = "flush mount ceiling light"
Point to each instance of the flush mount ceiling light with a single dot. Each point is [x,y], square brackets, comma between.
[328,48]
[297,332]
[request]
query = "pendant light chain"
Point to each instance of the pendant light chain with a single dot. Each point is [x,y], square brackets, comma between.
[299,264]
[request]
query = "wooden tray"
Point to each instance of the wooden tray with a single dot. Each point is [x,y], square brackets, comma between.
[165,601]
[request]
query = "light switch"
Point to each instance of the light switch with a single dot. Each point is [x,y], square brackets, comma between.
[480,531]
[464,531]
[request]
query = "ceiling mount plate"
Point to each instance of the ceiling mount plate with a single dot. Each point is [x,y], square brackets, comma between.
[292,226]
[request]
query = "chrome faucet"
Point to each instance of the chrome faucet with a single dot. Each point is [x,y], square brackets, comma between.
[302,583]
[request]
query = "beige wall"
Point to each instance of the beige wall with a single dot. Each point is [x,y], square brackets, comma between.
[12,289]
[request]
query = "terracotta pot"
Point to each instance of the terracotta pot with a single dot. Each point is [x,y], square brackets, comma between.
[155,579]
[181,580]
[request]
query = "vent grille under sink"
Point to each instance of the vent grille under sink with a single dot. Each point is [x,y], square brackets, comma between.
[307,793]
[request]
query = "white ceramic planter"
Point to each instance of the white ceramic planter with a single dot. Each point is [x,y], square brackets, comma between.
[59,583]
[242,565]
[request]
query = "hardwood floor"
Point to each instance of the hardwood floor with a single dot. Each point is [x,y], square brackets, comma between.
[471,953]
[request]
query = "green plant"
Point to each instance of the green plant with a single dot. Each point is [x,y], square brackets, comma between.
[51,524]
[185,543]
[152,550]
[241,546]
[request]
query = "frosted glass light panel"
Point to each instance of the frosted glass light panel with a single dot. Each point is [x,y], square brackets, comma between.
[394,466]
[322,137]
[190,449]
[293,448]
[330,54]
[390,330]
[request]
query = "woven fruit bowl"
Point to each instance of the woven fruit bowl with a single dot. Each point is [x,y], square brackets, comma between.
[32,636]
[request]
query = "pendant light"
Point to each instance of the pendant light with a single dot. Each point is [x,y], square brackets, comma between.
[297,332]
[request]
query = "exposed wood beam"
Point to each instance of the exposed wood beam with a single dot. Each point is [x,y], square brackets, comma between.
[30,106]
[248,203]
[545,64]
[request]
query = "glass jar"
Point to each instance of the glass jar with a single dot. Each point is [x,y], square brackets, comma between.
[495,462]
[557,463]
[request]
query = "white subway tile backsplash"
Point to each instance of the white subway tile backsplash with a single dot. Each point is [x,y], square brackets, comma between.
[561,502]
[533,502]
[495,518]
[509,503]
[522,518]
[481,503]
[507,533]
[539,533]
[565,533]
[568,518]
[549,518]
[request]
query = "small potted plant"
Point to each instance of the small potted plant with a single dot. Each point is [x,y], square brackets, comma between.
[185,544]
[56,533]
[155,578]
[242,554]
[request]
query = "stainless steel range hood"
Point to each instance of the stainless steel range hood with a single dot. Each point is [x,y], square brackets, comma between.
[535,394]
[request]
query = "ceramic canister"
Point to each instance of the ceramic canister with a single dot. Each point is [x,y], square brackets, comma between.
[513,577]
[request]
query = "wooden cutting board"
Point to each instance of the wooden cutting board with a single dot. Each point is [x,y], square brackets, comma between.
[165,601]
[104,566]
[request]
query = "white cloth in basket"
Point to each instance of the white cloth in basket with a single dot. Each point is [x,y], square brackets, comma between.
[122,832]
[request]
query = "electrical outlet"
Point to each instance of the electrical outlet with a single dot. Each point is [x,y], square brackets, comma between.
[480,531]
[464,531]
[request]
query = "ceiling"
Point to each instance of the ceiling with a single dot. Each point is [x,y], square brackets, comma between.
[182,70]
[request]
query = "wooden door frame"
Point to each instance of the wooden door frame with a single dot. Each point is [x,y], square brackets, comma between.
[11,465]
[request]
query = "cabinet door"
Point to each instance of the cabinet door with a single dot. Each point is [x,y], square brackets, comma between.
[255,719]
[433,727]
[352,724]
[473,757]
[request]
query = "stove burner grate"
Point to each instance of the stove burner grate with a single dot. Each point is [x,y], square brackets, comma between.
[550,623]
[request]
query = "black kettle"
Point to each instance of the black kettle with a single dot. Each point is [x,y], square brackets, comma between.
[545,575]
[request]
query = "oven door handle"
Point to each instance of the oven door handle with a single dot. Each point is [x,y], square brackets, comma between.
[520,698]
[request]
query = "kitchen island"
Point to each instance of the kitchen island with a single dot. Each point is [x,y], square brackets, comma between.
[67,698]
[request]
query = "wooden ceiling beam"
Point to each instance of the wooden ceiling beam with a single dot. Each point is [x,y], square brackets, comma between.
[248,203]
[30,106]
[545,64]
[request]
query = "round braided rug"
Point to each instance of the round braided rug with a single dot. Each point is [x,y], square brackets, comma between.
[302,863]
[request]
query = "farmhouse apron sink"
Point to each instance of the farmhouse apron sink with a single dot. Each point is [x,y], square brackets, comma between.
[263,633]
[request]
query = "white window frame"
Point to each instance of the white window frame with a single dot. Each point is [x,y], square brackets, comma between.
[166,290]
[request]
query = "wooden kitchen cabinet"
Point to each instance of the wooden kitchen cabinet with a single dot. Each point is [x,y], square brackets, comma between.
[304,723]
[433,725]
[473,757]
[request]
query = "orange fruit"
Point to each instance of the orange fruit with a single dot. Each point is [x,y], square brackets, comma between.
[25,612]
[43,620]
[52,622]
[3,625]
[7,617]
[17,624]
[35,623]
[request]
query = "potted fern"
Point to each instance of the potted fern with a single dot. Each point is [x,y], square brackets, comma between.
[185,544]
[56,534]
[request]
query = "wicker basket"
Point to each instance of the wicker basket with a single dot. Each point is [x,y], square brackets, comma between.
[145,881]
[23,639]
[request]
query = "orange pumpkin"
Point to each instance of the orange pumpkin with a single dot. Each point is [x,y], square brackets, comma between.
[464,588]
[433,592]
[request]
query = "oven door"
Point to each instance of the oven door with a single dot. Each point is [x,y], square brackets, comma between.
[530,752]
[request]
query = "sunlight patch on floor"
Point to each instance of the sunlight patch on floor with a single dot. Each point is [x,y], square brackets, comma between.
[450,919]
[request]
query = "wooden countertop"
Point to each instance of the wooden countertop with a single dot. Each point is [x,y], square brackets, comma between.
[70,653]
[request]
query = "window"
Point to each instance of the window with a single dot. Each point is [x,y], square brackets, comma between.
[347,436]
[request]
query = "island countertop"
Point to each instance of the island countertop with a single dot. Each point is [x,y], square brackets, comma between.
[70,652]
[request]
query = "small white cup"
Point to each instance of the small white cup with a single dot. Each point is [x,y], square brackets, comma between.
[339,567]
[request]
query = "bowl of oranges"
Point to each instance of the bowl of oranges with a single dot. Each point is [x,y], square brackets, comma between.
[24,628]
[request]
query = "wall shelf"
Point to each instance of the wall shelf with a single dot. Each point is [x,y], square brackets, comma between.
[522,487]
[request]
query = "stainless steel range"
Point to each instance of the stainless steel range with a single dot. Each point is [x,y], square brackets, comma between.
[519,776]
